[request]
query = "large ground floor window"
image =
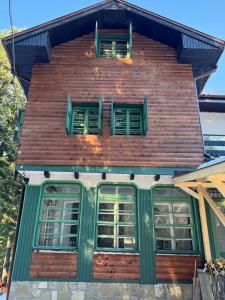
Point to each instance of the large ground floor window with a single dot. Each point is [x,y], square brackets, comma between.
[174,224]
[59,216]
[116,218]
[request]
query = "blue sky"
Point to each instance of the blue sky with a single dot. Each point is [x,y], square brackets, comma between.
[204,15]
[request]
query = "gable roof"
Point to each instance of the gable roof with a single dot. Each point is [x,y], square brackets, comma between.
[193,47]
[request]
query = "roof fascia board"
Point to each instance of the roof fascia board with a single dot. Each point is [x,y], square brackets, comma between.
[201,173]
[59,21]
[130,7]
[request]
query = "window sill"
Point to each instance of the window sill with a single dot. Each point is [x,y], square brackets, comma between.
[178,254]
[54,250]
[116,252]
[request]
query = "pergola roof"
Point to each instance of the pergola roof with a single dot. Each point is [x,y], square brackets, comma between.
[197,184]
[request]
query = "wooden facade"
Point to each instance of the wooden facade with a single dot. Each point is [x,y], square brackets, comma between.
[176,267]
[173,138]
[114,266]
[53,265]
[102,207]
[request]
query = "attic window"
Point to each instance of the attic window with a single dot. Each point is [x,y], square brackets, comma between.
[114,47]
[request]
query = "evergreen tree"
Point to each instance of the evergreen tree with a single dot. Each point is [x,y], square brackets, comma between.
[11,100]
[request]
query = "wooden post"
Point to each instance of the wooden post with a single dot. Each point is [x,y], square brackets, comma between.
[204,225]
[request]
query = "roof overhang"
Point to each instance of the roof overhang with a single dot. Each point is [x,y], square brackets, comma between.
[193,47]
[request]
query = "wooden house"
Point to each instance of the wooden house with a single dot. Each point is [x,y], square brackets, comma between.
[112,115]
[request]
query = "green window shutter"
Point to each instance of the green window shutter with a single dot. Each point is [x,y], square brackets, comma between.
[100,115]
[135,122]
[69,115]
[145,116]
[121,122]
[130,39]
[19,125]
[112,119]
[96,40]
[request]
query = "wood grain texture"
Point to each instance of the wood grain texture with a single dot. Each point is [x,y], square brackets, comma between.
[173,138]
[53,265]
[176,267]
[116,266]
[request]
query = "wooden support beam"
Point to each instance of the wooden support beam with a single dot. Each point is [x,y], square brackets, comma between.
[204,224]
[187,190]
[214,207]
[218,183]
[192,184]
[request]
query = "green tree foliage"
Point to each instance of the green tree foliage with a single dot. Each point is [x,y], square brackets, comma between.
[11,99]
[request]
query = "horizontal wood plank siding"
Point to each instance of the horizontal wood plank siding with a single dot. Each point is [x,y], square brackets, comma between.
[53,265]
[176,267]
[116,266]
[173,138]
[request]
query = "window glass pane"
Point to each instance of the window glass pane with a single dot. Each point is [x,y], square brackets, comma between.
[126,243]
[126,218]
[108,190]
[50,214]
[182,220]
[49,228]
[68,228]
[105,242]
[54,203]
[48,240]
[68,241]
[181,208]
[164,219]
[71,205]
[127,230]
[70,215]
[126,206]
[105,49]
[164,232]
[121,49]
[62,189]
[106,217]
[162,208]
[127,191]
[106,206]
[168,192]
[105,230]
[163,244]
[184,245]
[183,233]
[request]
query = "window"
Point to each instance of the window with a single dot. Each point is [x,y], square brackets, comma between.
[214,144]
[174,224]
[59,216]
[112,47]
[116,225]
[84,118]
[129,119]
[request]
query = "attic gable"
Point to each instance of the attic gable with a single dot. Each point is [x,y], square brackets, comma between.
[34,45]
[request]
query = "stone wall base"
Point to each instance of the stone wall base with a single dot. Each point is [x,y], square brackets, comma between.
[42,290]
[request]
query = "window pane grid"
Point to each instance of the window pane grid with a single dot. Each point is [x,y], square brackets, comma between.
[85,120]
[173,226]
[59,217]
[128,121]
[113,48]
[114,230]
